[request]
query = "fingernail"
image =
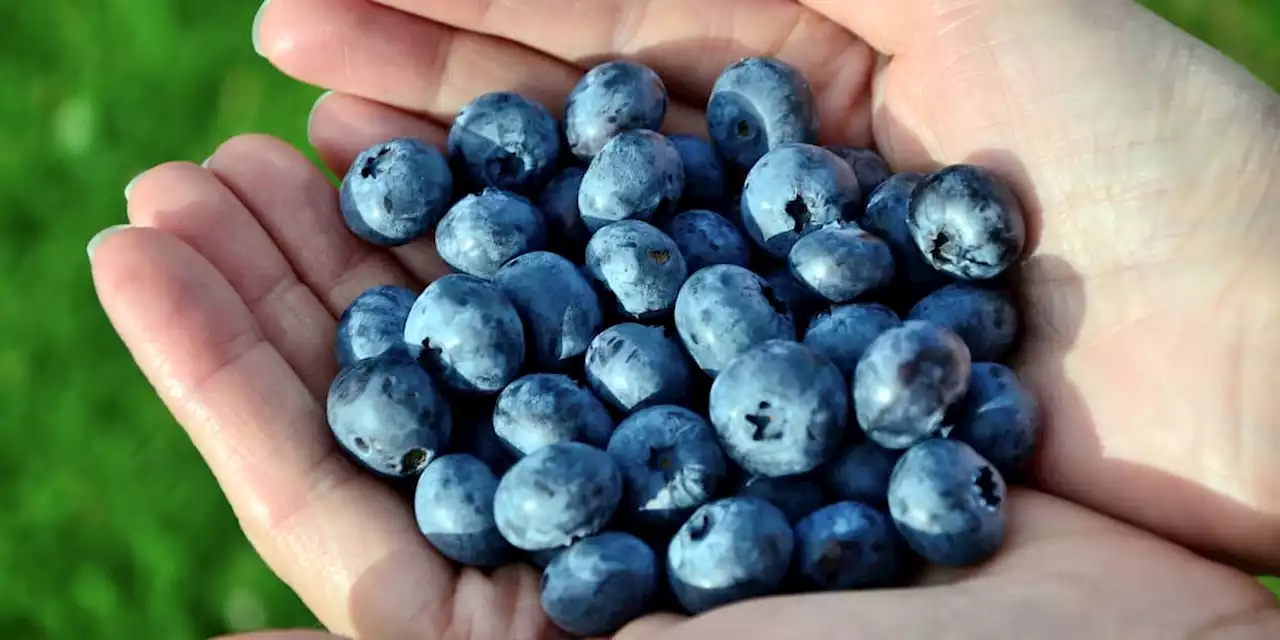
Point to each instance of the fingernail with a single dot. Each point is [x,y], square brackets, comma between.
[98,238]
[206,162]
[128,188]
[324,96]
[257,23]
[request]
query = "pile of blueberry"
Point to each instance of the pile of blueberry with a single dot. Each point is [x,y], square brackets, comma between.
[677,373]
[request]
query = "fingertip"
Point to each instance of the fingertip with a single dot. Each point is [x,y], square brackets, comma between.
[100,237]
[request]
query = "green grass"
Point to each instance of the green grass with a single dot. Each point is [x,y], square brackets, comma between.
[112,527]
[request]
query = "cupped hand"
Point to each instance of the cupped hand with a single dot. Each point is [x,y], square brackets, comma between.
[1148,164]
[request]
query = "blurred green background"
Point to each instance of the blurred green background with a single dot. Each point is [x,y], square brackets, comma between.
[111,526]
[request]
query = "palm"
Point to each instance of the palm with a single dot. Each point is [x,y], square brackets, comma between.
[234,323]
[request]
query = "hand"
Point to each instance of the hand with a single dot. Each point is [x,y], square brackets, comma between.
[1147,161]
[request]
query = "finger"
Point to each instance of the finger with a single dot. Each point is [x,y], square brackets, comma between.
[1064,573]
[382,54]
[888,25]
[298,208]
[688,43]
[297,634]
[192,205]
[322,526]
[341,126]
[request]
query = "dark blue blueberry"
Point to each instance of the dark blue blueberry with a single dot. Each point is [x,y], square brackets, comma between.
[795,496]
[841,262]
[724,310]
[871,169]
[386,413]
[505,141]
[794,190]
[636,175]
[984,318]
[556,496]
[633,366]
[611,98]
[544,408]
[566,232]
[757,105]
[484,231]
[729,550]
[671,462]
[905,382]
[780,409]
[560,310]
[948,503]
[453,504]
[639,265]
[803,303]
[373,324]
[395,192]
[704,180]
[844,333]
[861,474]
[848,545]
[541,558]
[967,223]
[470,334]
[999,418]
[706,238]
[473,433]
[599,584]
[886,216]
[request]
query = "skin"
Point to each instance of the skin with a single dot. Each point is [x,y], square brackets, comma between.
[1148,164]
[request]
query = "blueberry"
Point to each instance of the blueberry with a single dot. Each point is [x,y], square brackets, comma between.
[453,504]
[861,474]
[724,310]
[545,408]
[639,265]
[373,324]
[780,409]
[848,545]
[598,585]
[967,223]
[795,190]
[566,232]
[611,98]
[906,380]
[948,503]
[484,231]
[706,238]
[556,496]
[886,216]
[998,417]
[984,318]
[843,334]
[795,496]
[633,366]
[729,550]
[541,558]
[871,169]
[841,262]
[505,141]
[470,334]
[473,433]
[803,303]
[670,461]
[386,413]
[395,192]
[704,179]
[636,175]
[757,105]
[560,310]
